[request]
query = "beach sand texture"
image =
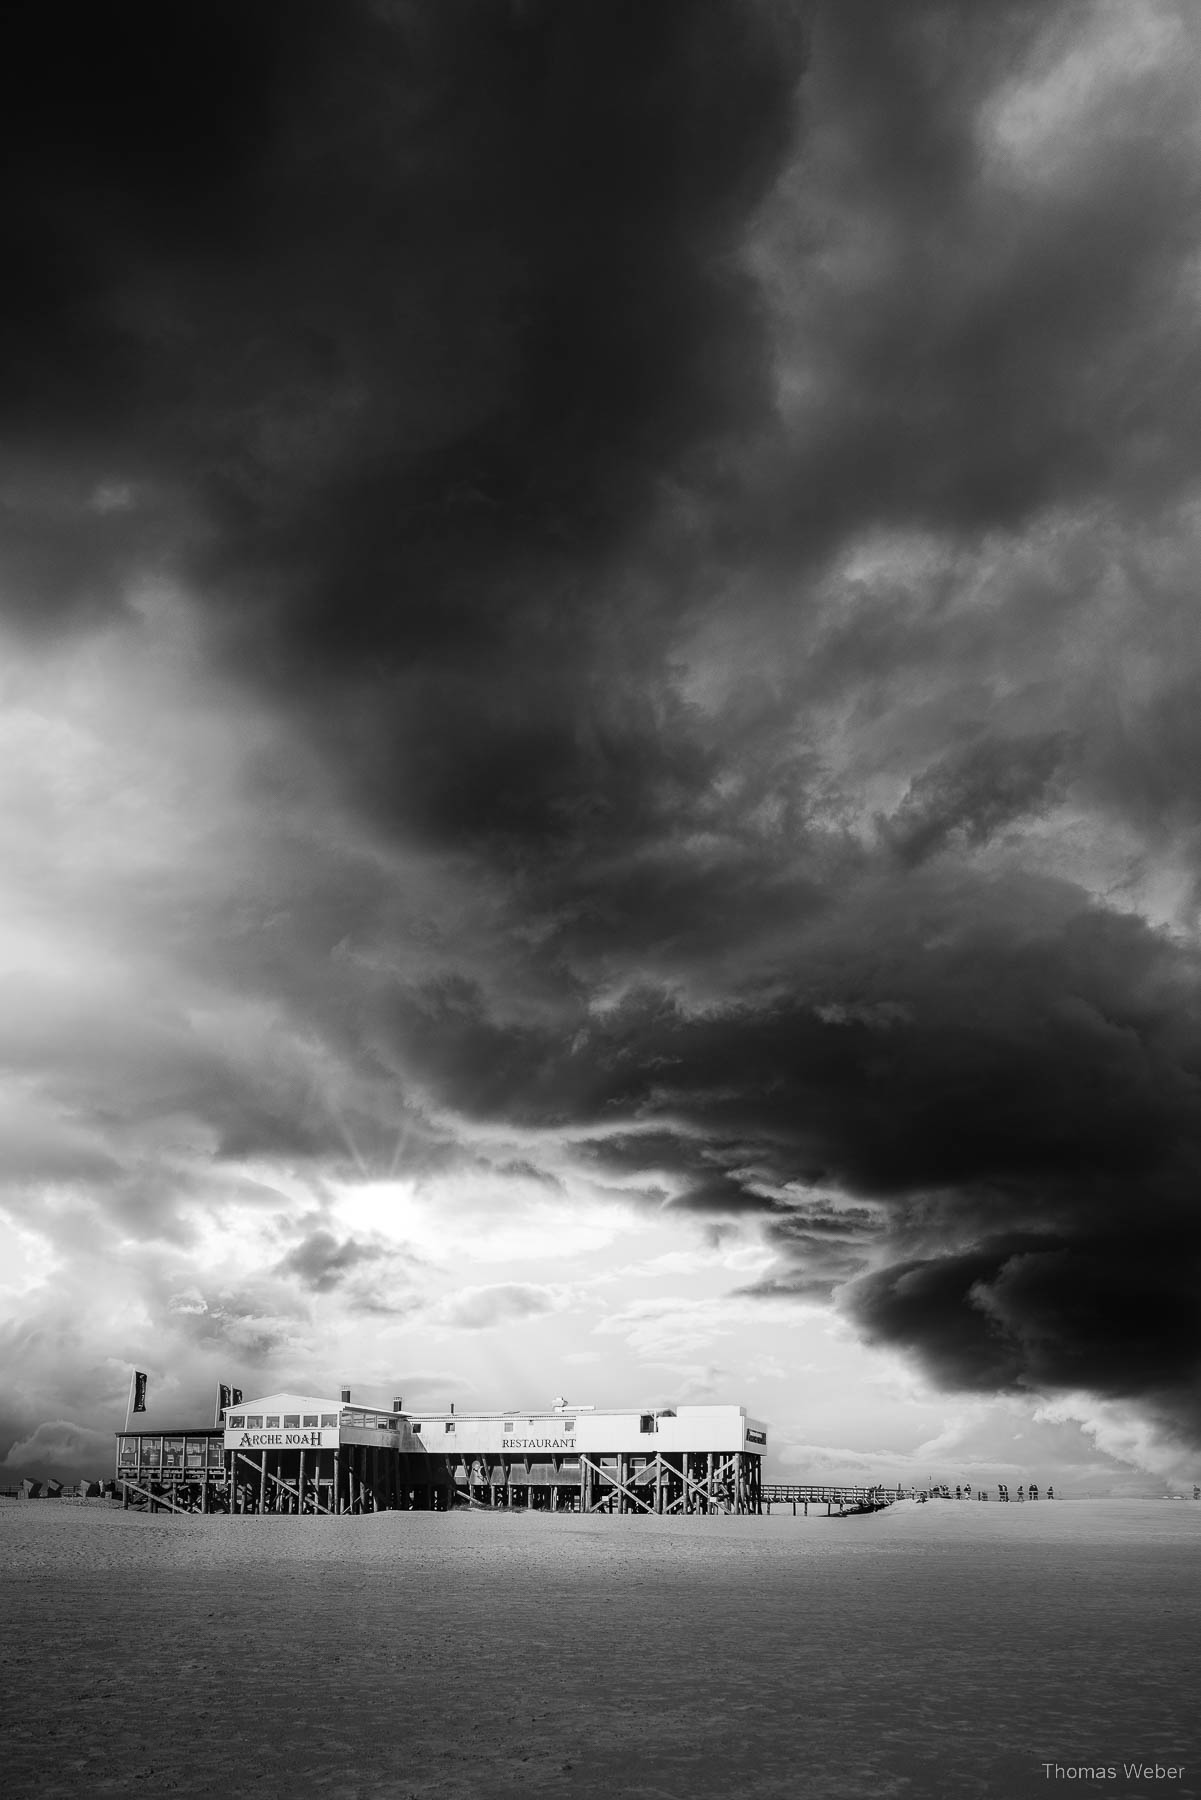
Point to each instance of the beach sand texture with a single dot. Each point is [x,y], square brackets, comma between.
[945,1649]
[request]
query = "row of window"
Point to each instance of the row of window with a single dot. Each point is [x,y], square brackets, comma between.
[560,1425]
[154,1453]
[311,1421]
[274,1421]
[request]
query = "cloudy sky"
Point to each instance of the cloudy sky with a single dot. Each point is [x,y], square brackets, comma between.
[600,759]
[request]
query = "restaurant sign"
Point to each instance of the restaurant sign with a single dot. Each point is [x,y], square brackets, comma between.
[291,1439]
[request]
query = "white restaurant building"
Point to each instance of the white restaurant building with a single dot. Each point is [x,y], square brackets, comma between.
[290,1452]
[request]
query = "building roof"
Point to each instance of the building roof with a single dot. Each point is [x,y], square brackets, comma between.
[172,1431]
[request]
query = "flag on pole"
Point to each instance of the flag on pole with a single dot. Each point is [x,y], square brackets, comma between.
[226,1397]
[139,1391]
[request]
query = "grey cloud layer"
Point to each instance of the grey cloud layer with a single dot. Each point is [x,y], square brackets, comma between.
[717,485]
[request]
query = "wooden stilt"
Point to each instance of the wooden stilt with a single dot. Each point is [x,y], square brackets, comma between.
[300,1485]
[156,1500]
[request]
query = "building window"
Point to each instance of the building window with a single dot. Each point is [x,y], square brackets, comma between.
[449,1425]
[254,1421]
[646,1422]
[569,1424]
[236,1422]
[292,1421]
[310,1419]
[329,1419]
[508,1424]
[418,1428]
[272,1419]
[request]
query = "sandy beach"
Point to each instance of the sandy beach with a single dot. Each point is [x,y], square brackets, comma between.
[946,1649]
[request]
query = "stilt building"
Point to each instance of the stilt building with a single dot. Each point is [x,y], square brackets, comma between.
[307,1453]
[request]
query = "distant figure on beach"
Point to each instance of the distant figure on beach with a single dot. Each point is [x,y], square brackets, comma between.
[967,1490]
[1021,1496]
[1050,1493]
[1034,1490]
[958,1492]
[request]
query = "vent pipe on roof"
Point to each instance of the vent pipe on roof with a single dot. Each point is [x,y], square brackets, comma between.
[398,1403]
[452,1406]
[345,1396]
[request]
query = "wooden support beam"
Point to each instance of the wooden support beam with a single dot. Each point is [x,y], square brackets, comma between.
[624,1490]
[161,1499]
[691,1484]
[279,1481]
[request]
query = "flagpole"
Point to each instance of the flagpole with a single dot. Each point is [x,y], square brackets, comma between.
[129,1403]
[217,1408]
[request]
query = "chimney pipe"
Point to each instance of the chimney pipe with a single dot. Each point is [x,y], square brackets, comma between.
[398,1403]
[345,1396]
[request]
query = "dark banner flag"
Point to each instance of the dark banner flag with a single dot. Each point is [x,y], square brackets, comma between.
[139,1391]
[226,1397]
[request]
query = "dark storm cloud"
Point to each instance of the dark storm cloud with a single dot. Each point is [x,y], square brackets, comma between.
[1018,1102]
[1117,1313]
[322,1262]
[975,792]
[512,389]
[985,340]
[416,303]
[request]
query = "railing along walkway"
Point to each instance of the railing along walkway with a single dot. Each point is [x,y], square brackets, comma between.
[836,1492]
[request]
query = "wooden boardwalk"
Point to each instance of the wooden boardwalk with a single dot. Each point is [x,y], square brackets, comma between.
[846,1496]
[837,1491]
